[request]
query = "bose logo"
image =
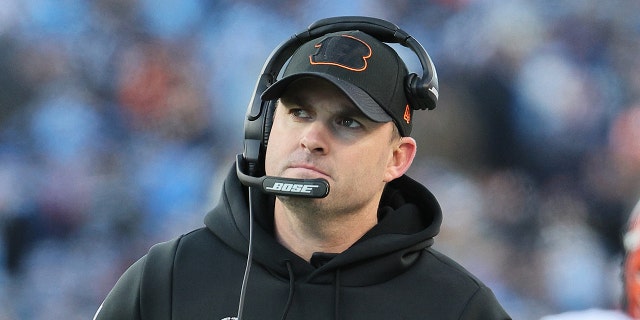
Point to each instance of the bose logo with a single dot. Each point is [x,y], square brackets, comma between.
[292,187]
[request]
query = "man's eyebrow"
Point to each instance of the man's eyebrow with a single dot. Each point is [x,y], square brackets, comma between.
[351,111]
[293,99]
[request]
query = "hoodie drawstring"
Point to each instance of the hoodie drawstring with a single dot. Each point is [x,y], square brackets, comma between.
[336,297]
[291,290]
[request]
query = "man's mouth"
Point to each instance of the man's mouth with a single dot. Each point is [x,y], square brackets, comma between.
[308,169]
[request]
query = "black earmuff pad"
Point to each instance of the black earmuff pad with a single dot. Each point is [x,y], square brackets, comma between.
[411,91]
[418,93]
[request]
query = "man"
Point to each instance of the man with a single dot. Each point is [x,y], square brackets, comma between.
[362,252]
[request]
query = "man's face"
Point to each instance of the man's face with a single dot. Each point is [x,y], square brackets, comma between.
[317,132]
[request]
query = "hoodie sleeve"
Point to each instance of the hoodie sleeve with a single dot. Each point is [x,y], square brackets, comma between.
[123,302]
[484,306]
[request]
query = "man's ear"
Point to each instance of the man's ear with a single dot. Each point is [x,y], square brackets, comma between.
[401,158]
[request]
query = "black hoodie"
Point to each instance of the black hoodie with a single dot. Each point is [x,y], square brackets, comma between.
[390,273]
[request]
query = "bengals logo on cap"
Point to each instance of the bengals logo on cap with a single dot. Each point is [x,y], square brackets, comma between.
[343,51]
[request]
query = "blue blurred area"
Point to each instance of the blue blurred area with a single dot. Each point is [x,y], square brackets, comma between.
[118,119]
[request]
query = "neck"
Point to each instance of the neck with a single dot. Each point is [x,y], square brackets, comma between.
[304,232]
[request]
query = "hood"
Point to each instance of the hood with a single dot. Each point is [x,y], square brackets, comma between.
[409,218]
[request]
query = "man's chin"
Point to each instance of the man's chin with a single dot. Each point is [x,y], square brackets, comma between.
[302,204]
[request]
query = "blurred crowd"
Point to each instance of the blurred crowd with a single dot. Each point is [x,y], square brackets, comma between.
[118,118]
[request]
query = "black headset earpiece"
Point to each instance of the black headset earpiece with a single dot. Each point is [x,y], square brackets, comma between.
[421,91]
[258,120]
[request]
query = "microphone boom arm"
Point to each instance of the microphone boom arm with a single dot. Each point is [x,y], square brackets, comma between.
[309,188]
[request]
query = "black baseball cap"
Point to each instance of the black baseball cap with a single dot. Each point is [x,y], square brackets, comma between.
[367,70]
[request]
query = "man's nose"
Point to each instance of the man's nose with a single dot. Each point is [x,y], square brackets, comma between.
[315,138]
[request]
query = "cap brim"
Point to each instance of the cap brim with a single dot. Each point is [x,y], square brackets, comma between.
[359,97]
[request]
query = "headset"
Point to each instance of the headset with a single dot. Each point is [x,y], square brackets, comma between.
[421,91]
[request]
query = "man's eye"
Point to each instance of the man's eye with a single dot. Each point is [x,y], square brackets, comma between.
[349,123]
[300,113]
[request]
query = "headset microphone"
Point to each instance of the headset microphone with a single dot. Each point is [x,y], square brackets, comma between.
[310,188]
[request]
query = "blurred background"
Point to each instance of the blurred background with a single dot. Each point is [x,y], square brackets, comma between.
[119,118]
